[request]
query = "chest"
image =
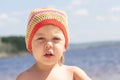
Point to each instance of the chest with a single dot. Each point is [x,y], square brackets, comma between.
[57,75]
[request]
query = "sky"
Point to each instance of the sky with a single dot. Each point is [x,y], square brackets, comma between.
[89,20]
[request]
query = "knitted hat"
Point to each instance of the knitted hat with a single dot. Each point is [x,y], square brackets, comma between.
[45,16]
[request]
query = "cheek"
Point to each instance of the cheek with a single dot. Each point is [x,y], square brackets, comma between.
[36,46]
[60,49]
[37,51]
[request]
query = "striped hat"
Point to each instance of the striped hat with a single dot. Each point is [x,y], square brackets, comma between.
[45,16]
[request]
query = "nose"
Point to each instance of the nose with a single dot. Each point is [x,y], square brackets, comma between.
[48,45]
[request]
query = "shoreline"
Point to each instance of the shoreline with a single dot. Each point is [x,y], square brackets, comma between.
[8,55]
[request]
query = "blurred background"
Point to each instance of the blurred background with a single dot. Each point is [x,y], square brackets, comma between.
[94,27]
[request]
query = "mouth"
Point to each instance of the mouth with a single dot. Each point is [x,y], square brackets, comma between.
[49,54]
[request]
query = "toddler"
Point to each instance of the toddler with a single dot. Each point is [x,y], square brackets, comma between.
[47,40]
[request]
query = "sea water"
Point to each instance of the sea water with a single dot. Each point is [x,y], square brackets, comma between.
[100,63]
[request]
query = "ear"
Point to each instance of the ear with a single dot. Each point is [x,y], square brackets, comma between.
[64,49]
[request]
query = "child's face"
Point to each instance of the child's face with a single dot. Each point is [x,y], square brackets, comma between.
[48,45]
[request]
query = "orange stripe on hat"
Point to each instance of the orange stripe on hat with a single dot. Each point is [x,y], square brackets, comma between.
[41,17]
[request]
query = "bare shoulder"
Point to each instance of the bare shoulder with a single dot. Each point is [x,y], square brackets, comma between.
[78,74]
[23,76]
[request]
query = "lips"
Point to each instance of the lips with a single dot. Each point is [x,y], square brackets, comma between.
[49,54]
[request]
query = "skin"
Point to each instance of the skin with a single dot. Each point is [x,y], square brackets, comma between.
[49,40]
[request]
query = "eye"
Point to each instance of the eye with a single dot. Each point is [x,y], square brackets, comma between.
[56,39]
[41,38]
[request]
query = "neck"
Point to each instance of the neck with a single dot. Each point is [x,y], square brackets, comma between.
[45,68]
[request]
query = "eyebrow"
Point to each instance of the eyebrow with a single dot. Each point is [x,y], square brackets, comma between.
[39,34]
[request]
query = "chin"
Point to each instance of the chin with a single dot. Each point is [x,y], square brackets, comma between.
[50,63]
